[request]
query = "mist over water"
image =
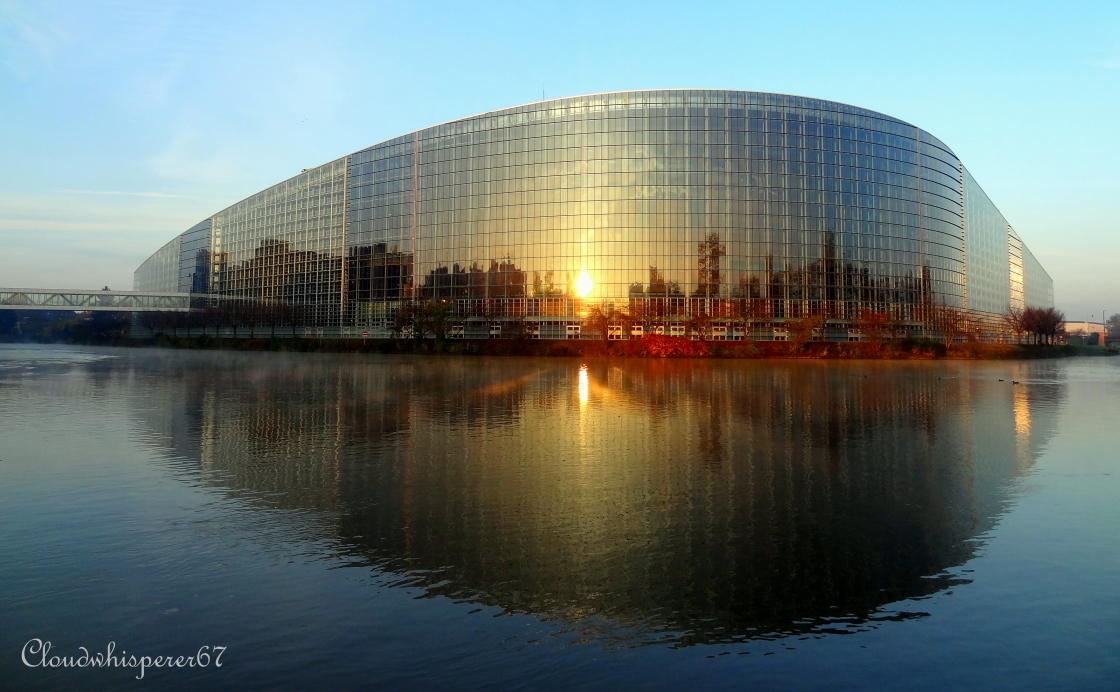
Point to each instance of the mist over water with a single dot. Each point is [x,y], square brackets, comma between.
[476,523]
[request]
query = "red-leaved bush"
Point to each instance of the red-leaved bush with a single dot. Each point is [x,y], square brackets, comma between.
[658,346]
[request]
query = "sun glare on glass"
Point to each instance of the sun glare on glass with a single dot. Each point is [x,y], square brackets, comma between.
[584,284]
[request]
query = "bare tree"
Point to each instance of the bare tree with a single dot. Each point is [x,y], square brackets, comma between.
[1014,321]
[948,321]
[178,321]
[285,316]
[252,311]
[1044,323]
[225,316]
[297,316]
[235,312]
[207,318]
[1054,319]
[271,314]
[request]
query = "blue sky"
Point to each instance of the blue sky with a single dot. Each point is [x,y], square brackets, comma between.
[123,123]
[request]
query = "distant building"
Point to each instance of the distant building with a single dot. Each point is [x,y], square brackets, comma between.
[1091,333]
[744,209]
[1084,327]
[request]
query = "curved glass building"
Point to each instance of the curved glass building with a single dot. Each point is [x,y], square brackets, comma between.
[748,209]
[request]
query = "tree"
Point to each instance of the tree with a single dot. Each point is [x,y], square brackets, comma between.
[1050,324]
[1052,321]
[697,326]
[949,321]
[748,311]
[438,314]
[238,313]
[207,317]
[1015,323]
[269,315]
[801,331]
[598,320]
[421,319]
[516,328]
[252,311]
[875,325]
[409,320]
[181,320]
[297,317]
[1113,325]
[1044,323]
[626,320]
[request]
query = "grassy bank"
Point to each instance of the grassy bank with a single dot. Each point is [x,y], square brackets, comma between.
[646,347]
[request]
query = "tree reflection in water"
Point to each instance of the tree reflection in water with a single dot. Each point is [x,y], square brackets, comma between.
[631,502]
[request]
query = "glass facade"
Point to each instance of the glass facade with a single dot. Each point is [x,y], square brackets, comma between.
[194,259]
[1015,269]
[663,205]
[1038,287]
[987,271]
[160,272]
[284,244]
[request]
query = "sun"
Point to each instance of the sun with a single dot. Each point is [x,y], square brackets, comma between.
[584,284]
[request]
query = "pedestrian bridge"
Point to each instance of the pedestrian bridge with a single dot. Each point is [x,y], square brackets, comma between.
[97,301]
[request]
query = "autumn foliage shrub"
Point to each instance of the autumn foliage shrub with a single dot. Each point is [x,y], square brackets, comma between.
[658,346]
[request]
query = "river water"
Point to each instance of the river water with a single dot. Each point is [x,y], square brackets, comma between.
[416,523]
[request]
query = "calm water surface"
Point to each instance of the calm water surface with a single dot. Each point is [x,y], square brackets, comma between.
[422,523]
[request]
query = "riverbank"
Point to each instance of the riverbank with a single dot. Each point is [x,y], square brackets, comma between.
[644,347]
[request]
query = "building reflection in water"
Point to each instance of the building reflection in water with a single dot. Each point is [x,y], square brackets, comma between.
[683,501]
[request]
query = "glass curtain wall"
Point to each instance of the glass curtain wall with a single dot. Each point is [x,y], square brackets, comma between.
[284,246]
[1015,269]
[1038,287]
[668,204]
[160,272]
[194,259]
[986,249]
[663,206]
